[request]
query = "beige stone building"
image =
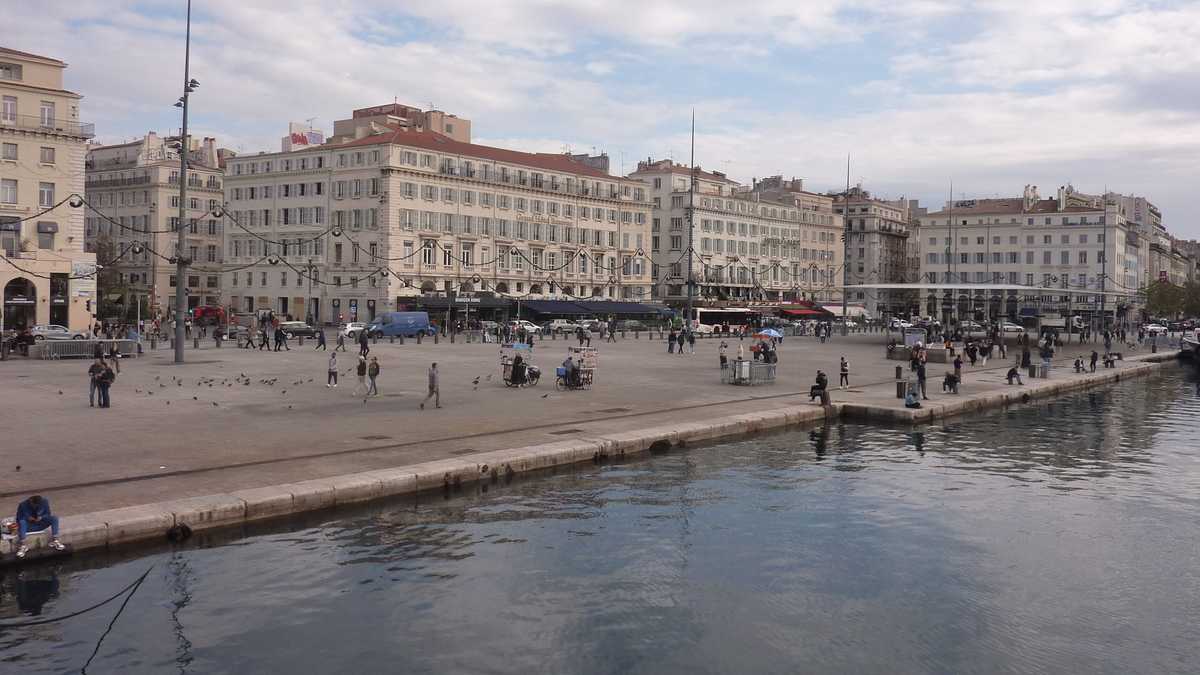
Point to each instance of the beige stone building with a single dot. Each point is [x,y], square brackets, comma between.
[134,188]
[1065,243]
[394,217]
[877,251]
[770,242]
[46,276]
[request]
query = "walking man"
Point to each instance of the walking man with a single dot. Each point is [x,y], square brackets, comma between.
[434,390]
[331,381]
[372,374]
[921,380]
[341,342]
[844,373]
[364,347]
[361,372]
[94,372]
[721,354]
[1095,358]
[321,341]
[691,338]
[105,380]
[612,331]
[262,336]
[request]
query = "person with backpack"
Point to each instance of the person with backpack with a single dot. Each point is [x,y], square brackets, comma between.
[372,374]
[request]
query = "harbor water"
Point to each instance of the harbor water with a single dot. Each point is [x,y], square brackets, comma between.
[1049,538]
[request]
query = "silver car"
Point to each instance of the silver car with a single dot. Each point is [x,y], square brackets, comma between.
[55,332]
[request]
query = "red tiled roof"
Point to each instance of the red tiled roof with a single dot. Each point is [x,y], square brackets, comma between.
[430,140]
[6,50]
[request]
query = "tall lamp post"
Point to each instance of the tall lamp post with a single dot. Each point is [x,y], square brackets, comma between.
[181,262]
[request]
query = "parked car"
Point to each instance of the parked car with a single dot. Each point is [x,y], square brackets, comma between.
[632,325]
[972,329]
[56,332]
[405,324]
[1007,327]
[522,324]
[563,326]
[898,324]
[593,325]
[1155,329]
[297,329]
[352,329]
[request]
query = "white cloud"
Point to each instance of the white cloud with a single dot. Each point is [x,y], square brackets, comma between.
[993,93]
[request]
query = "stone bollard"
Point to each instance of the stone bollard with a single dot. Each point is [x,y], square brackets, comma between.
[391,339]
[452,333]
[402,338]
[420,336]
[435,338]
[154,343]
[196,342]
[300,341]
[553,335]
[374,339]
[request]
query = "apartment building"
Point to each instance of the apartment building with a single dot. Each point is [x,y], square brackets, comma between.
[877,250]
[47,276]
[405,218]
[748,243]
[134,188]
[365,121]
[1052,244]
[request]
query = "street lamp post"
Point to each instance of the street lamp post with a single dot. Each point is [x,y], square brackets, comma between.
[181,262]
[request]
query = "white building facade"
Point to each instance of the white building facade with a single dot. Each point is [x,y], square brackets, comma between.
[342,232]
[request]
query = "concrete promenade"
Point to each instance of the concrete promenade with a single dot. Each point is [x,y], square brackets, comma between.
[237,435]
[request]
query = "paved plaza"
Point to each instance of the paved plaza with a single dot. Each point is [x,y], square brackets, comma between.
[232,419]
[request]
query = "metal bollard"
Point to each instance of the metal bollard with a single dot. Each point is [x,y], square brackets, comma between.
[420,336]
[391,339]
[375,339]
[452,337]
[899,372]
[435,338]
[153,343]
[196,342]
[622,333]
[637,335]
[300,341]
[402,338]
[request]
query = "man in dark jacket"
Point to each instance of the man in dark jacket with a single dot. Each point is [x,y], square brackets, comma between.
[33,515]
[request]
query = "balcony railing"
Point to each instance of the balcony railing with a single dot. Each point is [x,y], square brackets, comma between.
[119,182]
[50,126]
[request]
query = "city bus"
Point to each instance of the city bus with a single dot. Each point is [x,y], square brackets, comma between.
[706,319]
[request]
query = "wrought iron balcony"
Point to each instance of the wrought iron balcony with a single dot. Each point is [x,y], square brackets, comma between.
[48,125]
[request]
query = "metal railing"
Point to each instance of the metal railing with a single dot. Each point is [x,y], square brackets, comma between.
[50,126]
[71,349]
[748,373]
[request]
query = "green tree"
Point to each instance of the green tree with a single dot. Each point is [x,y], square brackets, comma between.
[1164,299]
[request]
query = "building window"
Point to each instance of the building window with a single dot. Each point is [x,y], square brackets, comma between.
[47,113]
[8,151]
[47,156]
[8,110]
[46,194]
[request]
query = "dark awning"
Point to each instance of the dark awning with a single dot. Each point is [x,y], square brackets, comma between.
[443,303]
[44,227]
[621,308]
[562,307]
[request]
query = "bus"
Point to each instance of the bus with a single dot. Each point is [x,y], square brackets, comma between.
[736,318]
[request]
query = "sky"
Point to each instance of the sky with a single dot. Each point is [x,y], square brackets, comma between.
[989,95]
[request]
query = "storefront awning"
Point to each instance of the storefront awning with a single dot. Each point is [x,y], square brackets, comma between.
[805,312]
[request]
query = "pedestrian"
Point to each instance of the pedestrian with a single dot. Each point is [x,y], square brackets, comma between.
[681,339]
[844,373]
[321,341]
[94,372]
[671,338]
[434,390]
[361,371]
[341,341]
[1095,358]
[691,338]
[331,381]
[280,339]
[958,364]
[1014,374]
[104,381]
[262,337]
[33,515]
[722,356]
[921,380]
[612,331]
[373,374]
[364,346]
[1003,350]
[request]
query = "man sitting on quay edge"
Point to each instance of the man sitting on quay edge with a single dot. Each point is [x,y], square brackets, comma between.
[33,515]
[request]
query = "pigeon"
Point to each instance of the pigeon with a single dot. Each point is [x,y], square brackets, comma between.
[214,404]
[168,403]
[475,381]
[489,377]
[156,377]
[60,392]
[545,395]
[18,467]
[284,392]
[195,398]
[289,407]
